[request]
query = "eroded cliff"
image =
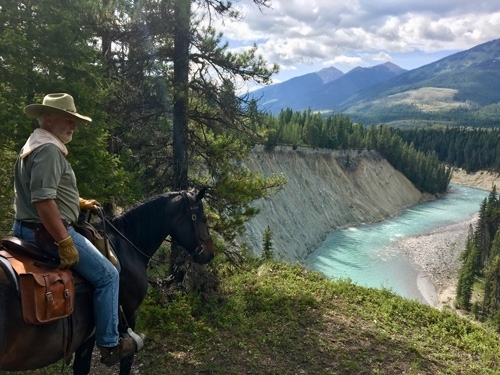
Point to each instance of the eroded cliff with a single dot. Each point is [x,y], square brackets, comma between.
[326,190]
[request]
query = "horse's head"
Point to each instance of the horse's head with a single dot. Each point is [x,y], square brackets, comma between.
[191,229]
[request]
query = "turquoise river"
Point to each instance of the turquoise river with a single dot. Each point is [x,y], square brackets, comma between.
[363,254]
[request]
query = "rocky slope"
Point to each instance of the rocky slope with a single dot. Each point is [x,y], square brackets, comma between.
[326,190]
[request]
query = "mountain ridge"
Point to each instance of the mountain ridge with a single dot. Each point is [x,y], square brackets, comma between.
[363,93]
[290,92]
[323,89]
[445,73]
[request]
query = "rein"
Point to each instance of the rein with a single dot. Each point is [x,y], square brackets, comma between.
[125,238]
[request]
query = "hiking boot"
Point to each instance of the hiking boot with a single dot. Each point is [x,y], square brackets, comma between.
[111,356]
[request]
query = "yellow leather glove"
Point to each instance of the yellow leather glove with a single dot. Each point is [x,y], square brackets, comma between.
[88,204]
[67,253]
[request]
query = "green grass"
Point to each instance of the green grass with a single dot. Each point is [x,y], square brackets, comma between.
[274,318]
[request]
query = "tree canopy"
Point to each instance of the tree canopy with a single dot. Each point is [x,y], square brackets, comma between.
[119,59]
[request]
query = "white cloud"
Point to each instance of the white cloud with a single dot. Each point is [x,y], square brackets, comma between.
[315,33]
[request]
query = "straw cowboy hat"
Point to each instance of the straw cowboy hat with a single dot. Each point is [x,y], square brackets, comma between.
[55,103]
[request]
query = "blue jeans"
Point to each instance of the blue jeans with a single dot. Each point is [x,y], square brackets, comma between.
[99,271]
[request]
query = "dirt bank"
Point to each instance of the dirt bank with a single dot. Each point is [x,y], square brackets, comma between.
[326,190]
[481,180]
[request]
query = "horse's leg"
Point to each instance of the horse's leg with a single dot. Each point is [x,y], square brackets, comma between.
[127,362]
[126,365]
[83,353]
[3,321]
[133,289]
[83,357]
[4,308]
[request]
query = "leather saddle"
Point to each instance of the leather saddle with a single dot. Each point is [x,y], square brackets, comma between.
[21,247]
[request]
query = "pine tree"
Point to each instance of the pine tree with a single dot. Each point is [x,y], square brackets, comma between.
[44,48]
[482,236]
[467,272]
[267,245]
[492,287]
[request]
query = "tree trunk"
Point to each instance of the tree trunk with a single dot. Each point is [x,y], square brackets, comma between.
[182,11]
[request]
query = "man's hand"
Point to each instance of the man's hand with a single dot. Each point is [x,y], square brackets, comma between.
[88,204]
[67,253]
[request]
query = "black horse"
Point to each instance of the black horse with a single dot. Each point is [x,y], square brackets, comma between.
[135,236]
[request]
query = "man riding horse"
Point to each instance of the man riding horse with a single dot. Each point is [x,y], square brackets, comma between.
[47,205]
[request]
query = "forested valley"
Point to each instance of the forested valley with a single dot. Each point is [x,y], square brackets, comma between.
[462,116]
[421,153]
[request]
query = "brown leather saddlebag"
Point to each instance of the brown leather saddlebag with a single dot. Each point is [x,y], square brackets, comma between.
[46,296]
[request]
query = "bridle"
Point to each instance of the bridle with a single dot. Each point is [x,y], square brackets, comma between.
[192,211]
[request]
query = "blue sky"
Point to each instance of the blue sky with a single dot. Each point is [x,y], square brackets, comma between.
[305,36]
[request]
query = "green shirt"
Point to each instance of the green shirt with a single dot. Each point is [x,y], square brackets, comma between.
[45,174]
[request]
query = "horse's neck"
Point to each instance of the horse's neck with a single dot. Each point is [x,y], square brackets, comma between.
[147,225]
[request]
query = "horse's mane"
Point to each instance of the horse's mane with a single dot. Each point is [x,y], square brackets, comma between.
[144,209]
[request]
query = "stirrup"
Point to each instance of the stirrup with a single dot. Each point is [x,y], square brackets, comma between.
[138,338]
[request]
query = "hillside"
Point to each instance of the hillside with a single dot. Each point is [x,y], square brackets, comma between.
[274,318]
[326,190]
[481,180]
[426,99]
[469,80]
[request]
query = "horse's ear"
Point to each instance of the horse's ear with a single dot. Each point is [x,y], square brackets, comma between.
[201,194]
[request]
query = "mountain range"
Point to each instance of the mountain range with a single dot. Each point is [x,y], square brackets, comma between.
[465,84]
